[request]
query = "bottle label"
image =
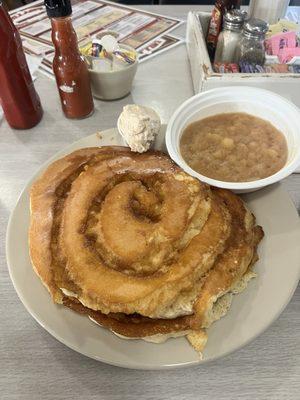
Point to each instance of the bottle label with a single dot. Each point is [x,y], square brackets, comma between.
[214,26]
[66,89]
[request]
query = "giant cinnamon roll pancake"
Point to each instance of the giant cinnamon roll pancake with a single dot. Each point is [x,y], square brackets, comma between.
[138,245]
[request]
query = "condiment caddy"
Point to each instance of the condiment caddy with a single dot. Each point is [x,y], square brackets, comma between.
[242,45]
[236,42]
[205,77]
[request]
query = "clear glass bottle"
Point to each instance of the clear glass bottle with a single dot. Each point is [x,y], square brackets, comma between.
[230,36]
[251,48]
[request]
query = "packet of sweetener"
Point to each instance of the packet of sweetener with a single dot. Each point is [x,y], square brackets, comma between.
[282,25]
[281,41]
[288,53]
[295,69]
[225,68]
[250,68]
[276,68]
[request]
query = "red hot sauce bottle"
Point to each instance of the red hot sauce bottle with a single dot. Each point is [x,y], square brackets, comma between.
[20,102]
[69,67]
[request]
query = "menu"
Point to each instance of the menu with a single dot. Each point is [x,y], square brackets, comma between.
[144,31]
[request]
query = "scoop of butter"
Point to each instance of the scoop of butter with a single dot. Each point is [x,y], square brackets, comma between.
[139,126]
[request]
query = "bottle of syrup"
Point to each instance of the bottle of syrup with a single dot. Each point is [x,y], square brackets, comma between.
[20,102]
[215,24]
[69,67]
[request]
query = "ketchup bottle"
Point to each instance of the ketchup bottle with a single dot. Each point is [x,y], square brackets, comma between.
[20,102]
[69,67]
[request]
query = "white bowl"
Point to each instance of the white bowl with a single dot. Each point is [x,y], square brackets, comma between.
[265,104]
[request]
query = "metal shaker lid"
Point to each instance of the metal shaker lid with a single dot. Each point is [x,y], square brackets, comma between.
[255,27]
[234,19]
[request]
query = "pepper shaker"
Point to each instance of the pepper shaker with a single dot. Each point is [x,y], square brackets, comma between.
[251,47]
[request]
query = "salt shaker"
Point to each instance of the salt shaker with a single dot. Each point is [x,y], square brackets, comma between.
[251,47]
[215,23]
[230,36]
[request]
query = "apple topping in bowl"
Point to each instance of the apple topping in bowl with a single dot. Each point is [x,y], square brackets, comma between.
[234,147]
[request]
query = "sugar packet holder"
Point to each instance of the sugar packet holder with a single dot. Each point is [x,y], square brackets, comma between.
[283,48]
[107,47]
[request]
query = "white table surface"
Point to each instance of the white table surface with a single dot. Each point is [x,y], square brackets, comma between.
[34,366]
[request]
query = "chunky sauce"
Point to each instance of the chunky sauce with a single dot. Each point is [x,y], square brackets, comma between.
[234,147]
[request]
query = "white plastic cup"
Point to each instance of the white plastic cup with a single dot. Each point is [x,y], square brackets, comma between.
[281,113]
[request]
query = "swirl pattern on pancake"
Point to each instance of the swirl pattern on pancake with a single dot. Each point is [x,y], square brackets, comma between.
[137,244]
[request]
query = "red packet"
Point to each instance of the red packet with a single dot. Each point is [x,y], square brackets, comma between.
[225,68]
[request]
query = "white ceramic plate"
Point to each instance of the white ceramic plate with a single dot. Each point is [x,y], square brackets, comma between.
[251,313]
